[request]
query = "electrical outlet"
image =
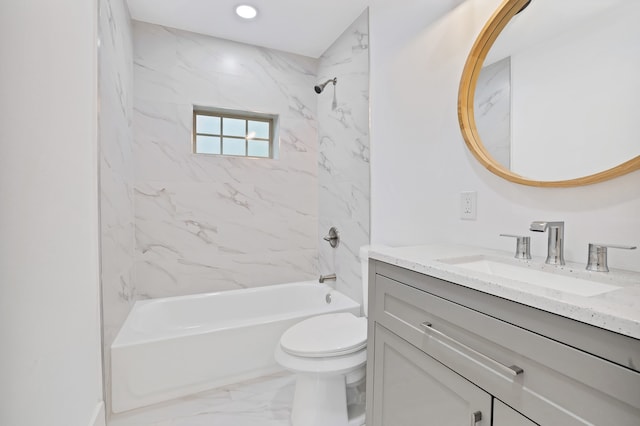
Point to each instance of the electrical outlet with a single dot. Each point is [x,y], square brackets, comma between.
[468,205]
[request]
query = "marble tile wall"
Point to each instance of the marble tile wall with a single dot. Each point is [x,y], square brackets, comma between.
[117,240]
[209,223]
[493,109]
[343,156]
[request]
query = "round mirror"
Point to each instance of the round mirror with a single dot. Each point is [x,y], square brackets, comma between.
[550,94]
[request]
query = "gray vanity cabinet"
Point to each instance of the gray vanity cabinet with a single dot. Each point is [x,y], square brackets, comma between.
[505,416]
[414,389]
[440,352]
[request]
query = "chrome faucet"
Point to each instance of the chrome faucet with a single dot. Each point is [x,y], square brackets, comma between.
[597,260]
[555,245]
[523,246]
[330,277]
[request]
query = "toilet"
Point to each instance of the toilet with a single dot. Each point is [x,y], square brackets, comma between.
[328,354]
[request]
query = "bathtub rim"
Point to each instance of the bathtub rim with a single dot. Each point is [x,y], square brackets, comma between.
[127,337]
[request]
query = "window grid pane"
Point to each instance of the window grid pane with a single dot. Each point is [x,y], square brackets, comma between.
[258,148]
[234,127]
[208,144]
[206,124]
[258,129]
[233,135]
[234,146]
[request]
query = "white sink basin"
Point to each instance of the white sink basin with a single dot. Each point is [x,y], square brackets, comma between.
[538,275]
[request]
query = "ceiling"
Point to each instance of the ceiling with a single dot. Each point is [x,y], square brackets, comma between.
[305,27]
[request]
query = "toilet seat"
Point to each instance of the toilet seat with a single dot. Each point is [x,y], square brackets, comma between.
[328,354]
[330,335]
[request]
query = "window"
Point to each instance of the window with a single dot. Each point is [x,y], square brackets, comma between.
[235,134]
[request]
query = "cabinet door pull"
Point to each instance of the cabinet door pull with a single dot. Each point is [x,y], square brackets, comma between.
[512,370]
[475,418]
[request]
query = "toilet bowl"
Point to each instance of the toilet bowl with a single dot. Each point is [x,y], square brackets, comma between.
[328,354]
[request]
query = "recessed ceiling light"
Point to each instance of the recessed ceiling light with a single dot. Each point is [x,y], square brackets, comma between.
[247,12]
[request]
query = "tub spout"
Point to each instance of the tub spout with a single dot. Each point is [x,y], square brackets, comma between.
[330,277]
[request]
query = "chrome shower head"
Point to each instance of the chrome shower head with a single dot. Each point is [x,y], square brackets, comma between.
[320,87]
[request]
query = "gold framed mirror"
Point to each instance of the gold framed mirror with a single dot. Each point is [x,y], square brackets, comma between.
[580,85]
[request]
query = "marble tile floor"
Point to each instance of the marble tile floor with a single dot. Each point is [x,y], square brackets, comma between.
[265,401]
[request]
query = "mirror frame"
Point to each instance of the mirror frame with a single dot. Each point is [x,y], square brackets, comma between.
[466,116]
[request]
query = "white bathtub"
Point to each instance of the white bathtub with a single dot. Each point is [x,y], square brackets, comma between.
[177,346]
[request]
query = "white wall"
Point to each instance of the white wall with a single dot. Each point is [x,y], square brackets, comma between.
[117,240]
[588,127]
[420,163]
[49,301]
[343,157]
[210,223]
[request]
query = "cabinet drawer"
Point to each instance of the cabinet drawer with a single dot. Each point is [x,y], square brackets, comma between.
[505,416]
[584,389]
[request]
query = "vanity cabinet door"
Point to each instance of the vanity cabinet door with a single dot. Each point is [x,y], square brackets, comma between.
[412,389]
[503,415]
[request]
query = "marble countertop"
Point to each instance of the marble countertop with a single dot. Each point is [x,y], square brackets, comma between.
[617,310]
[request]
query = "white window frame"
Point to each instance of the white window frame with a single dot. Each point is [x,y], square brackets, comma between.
[246,116]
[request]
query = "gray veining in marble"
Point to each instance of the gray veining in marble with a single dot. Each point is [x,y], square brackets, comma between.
[117,241]
[493,109]
[265,401]
[210,223]
[261,402]
[343,157]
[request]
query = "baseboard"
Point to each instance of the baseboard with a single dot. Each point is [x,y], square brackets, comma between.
[98,418]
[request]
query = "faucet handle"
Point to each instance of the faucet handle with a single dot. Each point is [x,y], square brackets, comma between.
[523,246]
[597,260]
[333,238]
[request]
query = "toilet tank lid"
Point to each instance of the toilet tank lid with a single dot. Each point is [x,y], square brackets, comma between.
[326,335]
